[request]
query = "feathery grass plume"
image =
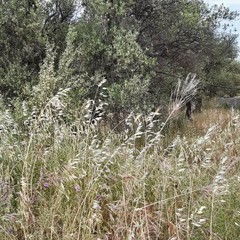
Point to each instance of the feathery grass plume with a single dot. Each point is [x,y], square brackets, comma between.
[184,92]
[43,120]
[220,184]
[94,110]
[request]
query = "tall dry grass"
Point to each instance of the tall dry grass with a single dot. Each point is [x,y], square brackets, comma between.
[97,184]
[85,181]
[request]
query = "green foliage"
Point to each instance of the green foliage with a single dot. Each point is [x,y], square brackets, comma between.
[131,73]
[185,36]
[21,47]
[108,47]
[227,84]
[138,47]
[58,15]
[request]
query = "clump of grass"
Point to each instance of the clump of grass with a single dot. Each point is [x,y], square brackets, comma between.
[94,183]
[184,92]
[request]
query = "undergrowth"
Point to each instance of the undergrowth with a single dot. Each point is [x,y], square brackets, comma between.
[59,184]
[87,181]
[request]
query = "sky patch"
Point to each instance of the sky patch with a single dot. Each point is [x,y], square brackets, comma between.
[234,5]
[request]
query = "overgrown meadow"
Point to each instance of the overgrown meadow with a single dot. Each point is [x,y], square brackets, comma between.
[153,180]
[94,144]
